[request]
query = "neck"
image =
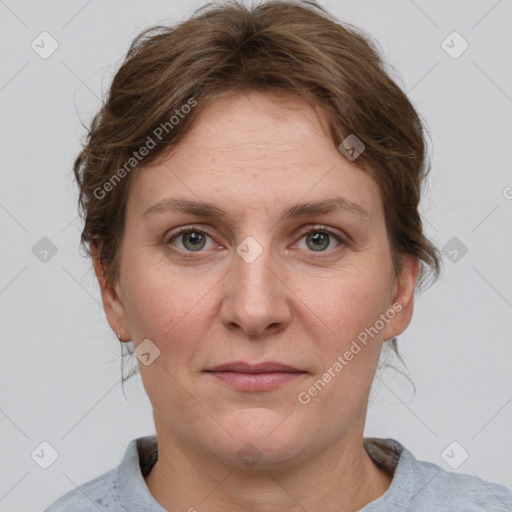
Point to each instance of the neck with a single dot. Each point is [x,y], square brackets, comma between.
[341,479]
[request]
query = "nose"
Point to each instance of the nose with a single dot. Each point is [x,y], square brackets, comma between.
[256,299]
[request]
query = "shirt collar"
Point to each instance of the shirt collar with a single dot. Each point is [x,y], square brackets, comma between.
[137,462]
[142,453]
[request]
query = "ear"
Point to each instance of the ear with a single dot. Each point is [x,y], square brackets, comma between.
[112,301]
[402,302]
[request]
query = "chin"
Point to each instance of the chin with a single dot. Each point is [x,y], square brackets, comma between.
[261,439]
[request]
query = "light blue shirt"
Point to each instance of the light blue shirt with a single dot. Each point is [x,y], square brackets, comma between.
[417,486]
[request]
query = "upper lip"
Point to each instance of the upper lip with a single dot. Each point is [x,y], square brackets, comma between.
[243,367]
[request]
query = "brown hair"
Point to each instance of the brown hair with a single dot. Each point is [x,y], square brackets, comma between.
[291,47]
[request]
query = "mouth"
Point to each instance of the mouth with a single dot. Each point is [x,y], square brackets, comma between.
[260,377]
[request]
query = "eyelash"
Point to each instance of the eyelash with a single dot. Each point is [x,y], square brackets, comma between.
[315,229]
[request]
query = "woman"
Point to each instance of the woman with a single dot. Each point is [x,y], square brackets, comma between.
[250,192]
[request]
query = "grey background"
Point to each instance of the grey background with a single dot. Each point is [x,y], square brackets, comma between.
[60,366]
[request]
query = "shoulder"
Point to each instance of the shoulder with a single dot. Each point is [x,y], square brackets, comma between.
[122,488]
[422,486]
[439,489]
[97,494]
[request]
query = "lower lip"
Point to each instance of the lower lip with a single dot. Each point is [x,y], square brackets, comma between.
[256,381]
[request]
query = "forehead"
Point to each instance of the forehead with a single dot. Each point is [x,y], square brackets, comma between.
[256,124]
[258,150]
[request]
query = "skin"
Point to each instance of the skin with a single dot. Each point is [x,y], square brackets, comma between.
[254,157]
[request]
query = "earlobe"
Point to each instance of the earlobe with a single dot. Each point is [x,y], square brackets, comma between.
[112,303]
[404,296]
[407,281]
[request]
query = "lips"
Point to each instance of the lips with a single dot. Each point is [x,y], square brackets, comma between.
[267,367]
[255,377]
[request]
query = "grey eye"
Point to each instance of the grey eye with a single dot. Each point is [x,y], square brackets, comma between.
[319,240]
[193,240]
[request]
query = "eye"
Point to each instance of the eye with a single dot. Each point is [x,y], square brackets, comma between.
[192,239]
[319,238]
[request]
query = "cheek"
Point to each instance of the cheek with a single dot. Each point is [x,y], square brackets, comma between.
[160,303]
[348,353]
[347,302]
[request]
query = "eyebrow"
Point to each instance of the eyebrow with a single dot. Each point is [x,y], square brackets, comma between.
[204,209]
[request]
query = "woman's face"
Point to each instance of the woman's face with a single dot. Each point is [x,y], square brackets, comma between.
[248,284]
